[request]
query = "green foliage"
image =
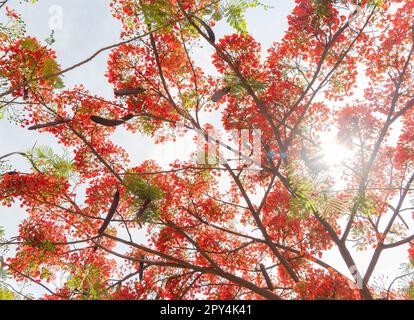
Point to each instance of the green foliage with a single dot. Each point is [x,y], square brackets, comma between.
[300,205]
[321,7]
[375,3]
[157,13]
[29,44]
[330,206]
[309,198]
[6,294]
[12,29]
[87,283]
[51,38]
[411,291]
[47,161]
[188,98]
[45,273]
[50,66]
[237,89]
[141,188]
[2,112]
[5,167]
[45,245]
[142,191]
[73,282]
[3,271]
[366,205]
[146,127]
[406,282]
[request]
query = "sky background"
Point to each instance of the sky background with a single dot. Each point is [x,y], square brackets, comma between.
[89,26]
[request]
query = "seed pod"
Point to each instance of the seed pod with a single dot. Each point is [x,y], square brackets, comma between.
[210,33]
[127,117]
[111,213]
[128,91]
[11,173]
[220,94]
[49,124]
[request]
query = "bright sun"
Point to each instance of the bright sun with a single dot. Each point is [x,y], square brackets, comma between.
[334,154]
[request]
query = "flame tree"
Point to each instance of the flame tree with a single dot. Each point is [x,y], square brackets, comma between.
[105,229]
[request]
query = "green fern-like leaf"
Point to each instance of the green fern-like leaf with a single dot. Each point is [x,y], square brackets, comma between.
[308,198]
[46,160]
[234,13]
[142,191]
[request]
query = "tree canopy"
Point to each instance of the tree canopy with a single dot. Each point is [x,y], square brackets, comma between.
[255,225]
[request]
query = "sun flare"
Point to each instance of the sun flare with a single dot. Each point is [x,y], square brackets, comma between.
[334,153]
